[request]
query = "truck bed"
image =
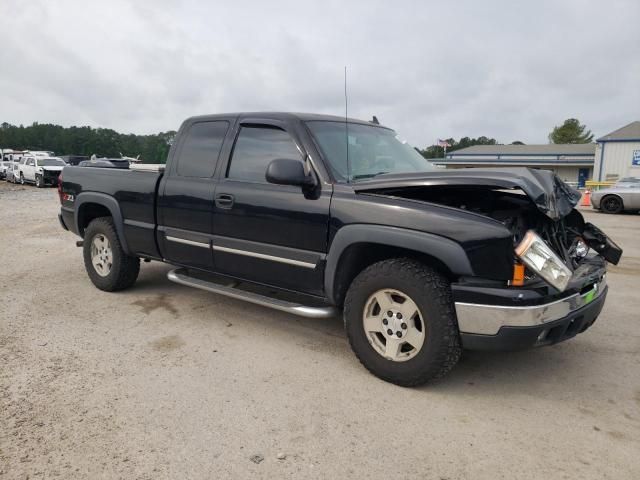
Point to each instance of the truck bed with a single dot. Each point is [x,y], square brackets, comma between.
[134,192]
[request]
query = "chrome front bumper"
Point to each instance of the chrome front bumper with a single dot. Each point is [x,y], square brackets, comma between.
[489,319]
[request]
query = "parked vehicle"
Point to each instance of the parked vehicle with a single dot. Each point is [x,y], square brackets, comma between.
[5,153]
[40,153]
[105,163]
[9,175]
[623,196]
[16,169]
[318,215]
[74,159]
[41,170]
[6,164]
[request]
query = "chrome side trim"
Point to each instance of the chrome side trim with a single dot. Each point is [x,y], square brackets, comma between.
[264,256]
[187,242]
[178,276]
[136,223]
[488,319]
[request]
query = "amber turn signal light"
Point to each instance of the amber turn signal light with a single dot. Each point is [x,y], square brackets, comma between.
[518,275]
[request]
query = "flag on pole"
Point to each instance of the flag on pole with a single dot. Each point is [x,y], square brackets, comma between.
[445,144]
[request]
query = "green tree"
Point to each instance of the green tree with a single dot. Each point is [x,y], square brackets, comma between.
[571,131]
[517,142]
[86,141]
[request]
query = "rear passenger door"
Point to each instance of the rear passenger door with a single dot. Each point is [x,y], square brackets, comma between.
[185,199]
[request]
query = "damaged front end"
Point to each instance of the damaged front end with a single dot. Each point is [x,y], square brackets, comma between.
[561,259]
[550,237]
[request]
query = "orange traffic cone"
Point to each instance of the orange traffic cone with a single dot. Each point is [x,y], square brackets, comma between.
[586,199]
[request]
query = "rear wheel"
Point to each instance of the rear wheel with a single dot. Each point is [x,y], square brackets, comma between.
[107,264]
[400,322]
[611,204]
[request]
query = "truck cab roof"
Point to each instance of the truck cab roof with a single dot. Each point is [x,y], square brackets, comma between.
[305,117]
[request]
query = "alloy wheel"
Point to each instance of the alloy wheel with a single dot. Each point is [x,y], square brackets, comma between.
[394,325]
[101,255]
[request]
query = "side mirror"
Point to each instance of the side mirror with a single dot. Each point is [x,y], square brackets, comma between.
[284,171]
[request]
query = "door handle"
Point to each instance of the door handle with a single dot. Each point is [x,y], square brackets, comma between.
[224,200]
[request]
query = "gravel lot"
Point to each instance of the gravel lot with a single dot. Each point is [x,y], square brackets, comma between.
[163,381]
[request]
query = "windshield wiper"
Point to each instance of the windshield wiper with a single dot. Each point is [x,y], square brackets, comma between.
[367,175]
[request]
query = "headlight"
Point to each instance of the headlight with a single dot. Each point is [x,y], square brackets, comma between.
[537,255]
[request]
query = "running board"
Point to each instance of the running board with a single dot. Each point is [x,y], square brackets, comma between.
[180,276]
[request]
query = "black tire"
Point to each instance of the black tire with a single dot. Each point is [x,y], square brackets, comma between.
[124,269]
[611,204]
[21,179]
[432,294]
[39,181]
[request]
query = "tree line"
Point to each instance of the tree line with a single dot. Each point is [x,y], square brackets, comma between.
[571,131]
[103,142]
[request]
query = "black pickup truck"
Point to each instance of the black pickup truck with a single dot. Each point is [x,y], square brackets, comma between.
[314,214]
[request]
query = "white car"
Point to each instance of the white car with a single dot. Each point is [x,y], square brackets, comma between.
[623,196]
[4,167]
[6,163]
[40,153]
[14,174]
[41,170]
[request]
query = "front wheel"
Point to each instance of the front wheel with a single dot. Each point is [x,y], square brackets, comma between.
[22,179]
[39,181]
[400,322]
[107,264]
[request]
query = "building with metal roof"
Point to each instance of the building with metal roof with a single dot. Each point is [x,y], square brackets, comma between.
[618,154]
[571,162]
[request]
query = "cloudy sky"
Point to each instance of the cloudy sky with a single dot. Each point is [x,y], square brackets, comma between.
[506,69]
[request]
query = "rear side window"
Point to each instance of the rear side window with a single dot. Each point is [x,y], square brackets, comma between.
[201,149]
[255,148]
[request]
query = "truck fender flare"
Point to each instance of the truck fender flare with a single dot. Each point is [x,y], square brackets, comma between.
[447,251]
[110,204]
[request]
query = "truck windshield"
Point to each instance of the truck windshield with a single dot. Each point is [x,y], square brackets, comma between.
[50,162]
[372,150]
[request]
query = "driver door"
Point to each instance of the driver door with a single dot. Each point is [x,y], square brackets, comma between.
[266,233]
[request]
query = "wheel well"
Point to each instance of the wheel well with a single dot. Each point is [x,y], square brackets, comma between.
[89,212]
[359,256]
[612,195]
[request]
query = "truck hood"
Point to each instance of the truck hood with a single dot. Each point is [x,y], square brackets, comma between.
[52,169]
[552,196]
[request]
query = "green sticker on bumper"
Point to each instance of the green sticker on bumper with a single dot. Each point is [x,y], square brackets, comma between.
[588,298]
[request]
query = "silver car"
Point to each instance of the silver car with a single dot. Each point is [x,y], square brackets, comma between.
[624,195]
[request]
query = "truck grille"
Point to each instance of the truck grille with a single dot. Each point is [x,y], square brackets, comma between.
[51,176]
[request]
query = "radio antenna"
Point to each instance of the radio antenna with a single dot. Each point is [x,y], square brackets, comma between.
[346,124]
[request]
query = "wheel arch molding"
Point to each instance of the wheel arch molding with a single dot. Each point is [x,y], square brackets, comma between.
[446,253]
[90,205]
